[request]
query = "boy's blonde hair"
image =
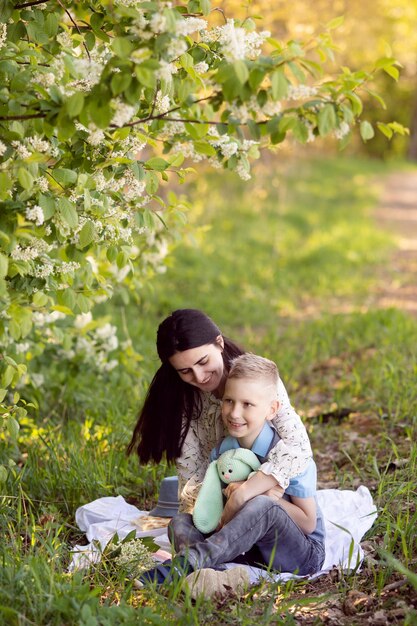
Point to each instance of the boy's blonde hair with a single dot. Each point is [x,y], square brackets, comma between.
[255,367]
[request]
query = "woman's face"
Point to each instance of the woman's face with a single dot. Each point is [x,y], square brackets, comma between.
[201,367]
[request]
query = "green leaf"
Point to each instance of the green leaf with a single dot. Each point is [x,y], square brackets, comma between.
[8,373]
[152,182]
[3,393]
[25,178]
[90,40]
[256,76]
[111,254]
[122,47]
[10,613]
[205,6]
[145,76]
[40,299]
[385,130]
[279,85]
[205,148]
[47,205]
[335,23]
[4,265]
[355,101]
[186,61]
[157,163]
[254,130]
[5,185]
[64,176]
[75,104]
[367,131]
[13,427]
[241,71]
[392,71]
[84,303]
[326,119]
[120,82]
[87,234]
[68,299]
[51,25]
[68,212]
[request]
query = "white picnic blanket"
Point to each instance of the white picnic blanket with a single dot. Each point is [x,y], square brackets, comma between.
[347,517]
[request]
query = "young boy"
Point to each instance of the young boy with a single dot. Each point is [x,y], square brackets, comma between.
[260,525]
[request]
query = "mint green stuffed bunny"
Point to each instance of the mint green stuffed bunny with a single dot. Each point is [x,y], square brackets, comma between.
[232,465]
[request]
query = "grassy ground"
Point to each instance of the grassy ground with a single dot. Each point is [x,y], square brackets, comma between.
[287,265]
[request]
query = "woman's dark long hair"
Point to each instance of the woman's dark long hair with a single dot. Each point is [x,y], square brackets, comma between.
[170,403]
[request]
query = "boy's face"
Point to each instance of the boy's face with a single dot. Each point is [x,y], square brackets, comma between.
[247,405]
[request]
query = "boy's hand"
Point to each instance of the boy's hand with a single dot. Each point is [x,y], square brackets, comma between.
[275,493]
[232,487]
[233,505]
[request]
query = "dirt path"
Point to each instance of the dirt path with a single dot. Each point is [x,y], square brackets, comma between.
[398,213]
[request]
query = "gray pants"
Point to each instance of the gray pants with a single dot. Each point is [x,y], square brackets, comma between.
[261,529]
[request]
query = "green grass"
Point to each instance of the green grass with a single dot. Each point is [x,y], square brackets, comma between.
[285,264]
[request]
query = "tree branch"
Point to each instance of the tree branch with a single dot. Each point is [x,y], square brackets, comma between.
[6,118]
[29,4]
[76,26]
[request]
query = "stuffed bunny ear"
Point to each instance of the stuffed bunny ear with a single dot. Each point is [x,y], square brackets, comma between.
[248,457]
[208,508]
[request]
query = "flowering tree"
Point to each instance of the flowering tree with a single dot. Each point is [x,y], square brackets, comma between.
[102,102]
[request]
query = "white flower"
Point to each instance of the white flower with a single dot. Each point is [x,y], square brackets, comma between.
[226,145]
[37,380]
[35,214]
[3,148]
[93,263]
[38,144]
[311,136]
[299,92]
[106,331]
[162,103]
[135,558]
[95,135]
[110,365]
[89,73]
[42,183]
[21,149]
[201,68]
[22,347]
[64,39]
[68,268]
[236,42]
[158,23]
[242,171]
[43,270]
[40,319]
[3,35]
[176,48]
[190,25]
[165,71]
[342,131]
[46,79]
[83,319]
[124,113]
[38,247]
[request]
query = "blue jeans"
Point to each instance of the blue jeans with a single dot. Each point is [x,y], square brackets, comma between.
[261,530]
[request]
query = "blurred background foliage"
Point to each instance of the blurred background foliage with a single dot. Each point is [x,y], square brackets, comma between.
[369,30]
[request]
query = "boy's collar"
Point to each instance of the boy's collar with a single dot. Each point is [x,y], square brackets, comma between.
[262,442]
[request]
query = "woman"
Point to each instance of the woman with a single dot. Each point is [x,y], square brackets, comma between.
[181,415]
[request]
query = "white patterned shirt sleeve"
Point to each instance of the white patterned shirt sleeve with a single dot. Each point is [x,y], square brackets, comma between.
[287,459]
[203,434]
[292,453]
